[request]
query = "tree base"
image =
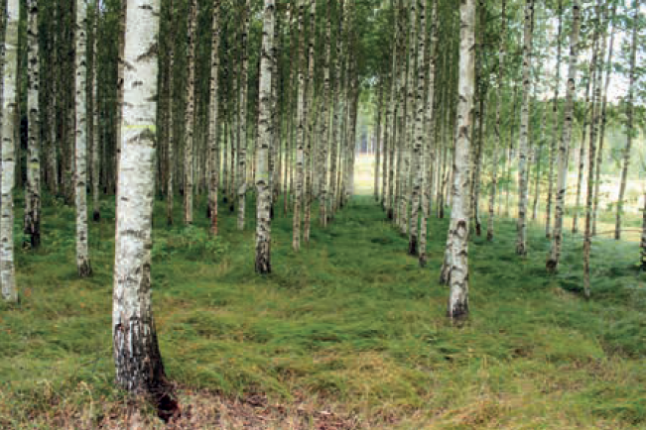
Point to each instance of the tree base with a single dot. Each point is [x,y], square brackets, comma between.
[459,312]
[412,246]
[551,266]
[96,216]
[263,265]
[423,260]
[85,269]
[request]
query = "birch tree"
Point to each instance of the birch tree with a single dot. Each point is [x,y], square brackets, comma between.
[138,362]
[32,198]
[630,113]
[455,272]
[263,189]
[418,166]
[554,258]
[592,151]
[429,128]
[523,149]
[325,120]
[96,150]
[555,124]
[213,138]
[300,128]
[242,122]
[80,157]
[9,103]
[189,129]
[502,51]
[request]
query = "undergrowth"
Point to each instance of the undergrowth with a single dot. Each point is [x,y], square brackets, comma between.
[350,321]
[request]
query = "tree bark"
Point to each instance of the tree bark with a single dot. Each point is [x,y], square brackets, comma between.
[170,135]
[419,152]
[242,149]
[430,141]
[80,174]
[32,198]
[604,120]
[214,117]
[189,129]
[455,272]
[630,113]
[495,158]
[300,128]
[96,150]
[263,190]
[138,362]
[523,149]
[9,102]
[566,137]
[555,125]
[592,151]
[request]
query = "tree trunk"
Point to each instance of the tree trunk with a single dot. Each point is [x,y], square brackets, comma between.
[523,150]
[630,113]
[418,165]
[430,141]
[377,137]
[263,190]
[586,122]
[604,120]
[455,272]
[309,115]
[189,130]
[139,367]
[170,135]
[123,12]
[242,149]
[592,153]
[555,125]
[80,174]
[32,198]
[9,102]
[566,137]
[498,138]
[325,120]
[300,128]
[214,117]
[96,150]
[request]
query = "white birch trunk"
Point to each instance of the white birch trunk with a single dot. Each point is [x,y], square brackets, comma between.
[429,138]
[456,265]
[189,131]
[630,126]
[32,198]
[523,149]
[138,363]
[265,131]
[555,125]
[213,139]
[9,103]
[300,129]
[80,150]
[418,164]
[242,149]
[495,157]
[96,150]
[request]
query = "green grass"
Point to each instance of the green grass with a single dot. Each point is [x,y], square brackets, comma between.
[351,321]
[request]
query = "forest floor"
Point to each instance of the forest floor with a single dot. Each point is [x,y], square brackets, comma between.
[348,333]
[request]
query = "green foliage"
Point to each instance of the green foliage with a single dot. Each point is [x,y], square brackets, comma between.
[191,242]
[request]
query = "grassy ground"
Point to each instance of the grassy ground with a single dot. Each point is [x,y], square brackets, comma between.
[349,333]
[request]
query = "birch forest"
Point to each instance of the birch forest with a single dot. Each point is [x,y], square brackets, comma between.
[323,214]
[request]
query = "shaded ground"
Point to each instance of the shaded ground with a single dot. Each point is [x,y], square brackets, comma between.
[349,333]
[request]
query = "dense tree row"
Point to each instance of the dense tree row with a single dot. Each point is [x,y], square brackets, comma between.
[261,101]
